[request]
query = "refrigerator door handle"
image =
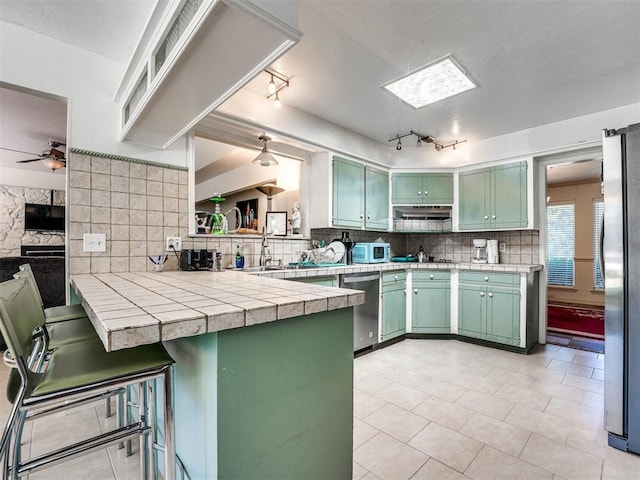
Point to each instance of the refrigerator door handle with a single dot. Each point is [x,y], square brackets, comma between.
[601,249]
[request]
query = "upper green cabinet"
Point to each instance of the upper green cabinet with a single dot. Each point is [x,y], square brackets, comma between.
[360,196]
[422,188]
[493,198]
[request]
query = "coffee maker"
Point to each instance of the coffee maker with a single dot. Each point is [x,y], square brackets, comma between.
[479,250]
[348,247]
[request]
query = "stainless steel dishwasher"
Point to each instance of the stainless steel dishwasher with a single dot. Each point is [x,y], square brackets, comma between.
[365,316]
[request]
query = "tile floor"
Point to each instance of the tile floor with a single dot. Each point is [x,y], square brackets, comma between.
[433,409]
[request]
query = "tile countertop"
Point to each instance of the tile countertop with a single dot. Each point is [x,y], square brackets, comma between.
[382,267]
[130,309]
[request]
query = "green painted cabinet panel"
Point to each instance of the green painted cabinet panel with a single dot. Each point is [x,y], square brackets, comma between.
[348,193]
[472,200]
[490,311]
[472,314]
[509,196]
[360,196]
[376,199]
[430,306]
[394,305]
[493,198]
[503,316]
[330,281]
[422,188]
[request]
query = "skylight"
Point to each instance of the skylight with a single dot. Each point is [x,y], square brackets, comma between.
[431,83]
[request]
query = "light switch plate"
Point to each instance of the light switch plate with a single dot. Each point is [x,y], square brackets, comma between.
[94,242]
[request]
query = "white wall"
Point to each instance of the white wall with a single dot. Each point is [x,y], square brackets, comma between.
[87,80]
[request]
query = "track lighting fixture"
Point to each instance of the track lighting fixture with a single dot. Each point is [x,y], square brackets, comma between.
[272,89]
[425,138]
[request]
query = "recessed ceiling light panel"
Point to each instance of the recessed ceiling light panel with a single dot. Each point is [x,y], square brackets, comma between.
[438,80]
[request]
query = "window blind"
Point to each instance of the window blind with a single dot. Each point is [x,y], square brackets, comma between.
[598,212]
[560,244]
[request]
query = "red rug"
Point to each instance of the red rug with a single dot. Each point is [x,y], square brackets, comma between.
[587,322]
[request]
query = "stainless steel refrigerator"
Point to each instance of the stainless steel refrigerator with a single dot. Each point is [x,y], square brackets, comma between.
[620,251]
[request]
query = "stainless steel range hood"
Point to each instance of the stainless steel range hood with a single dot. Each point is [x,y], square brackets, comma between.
[423,212]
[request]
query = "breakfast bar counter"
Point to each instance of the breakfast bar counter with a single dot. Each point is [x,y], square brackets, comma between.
[130,309]
[263,378]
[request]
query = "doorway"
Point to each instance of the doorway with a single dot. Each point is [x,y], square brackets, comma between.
[575,293]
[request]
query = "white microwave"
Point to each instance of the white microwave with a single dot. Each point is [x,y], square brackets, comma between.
[371,253]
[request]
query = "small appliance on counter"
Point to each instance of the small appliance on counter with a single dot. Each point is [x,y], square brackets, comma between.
[492,251]
[421,256]
[348,245]
[194,260]
[479,250]
[371,253]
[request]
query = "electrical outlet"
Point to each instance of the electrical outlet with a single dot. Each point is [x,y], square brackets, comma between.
[174,243]
[502,247]
[94,242]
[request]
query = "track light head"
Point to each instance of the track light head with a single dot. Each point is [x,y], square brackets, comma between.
[399,145]
[419,143]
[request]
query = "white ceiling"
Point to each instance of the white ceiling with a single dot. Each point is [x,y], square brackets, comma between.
[535,61]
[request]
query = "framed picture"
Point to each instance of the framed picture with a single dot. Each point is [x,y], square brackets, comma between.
[277,223]
[249,211]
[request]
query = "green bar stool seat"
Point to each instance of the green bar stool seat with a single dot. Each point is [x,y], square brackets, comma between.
[75,373]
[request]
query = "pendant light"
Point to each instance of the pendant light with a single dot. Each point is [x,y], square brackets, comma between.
[264,158]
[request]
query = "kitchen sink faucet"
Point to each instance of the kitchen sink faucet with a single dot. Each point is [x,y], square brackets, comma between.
[265,256]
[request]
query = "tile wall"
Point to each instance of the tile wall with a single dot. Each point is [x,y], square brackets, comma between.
[521,245]
[137,206]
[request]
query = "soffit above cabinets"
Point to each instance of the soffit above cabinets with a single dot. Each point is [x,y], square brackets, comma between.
[224,46]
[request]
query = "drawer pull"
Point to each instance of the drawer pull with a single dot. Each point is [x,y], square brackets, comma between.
[415,291]
[419,193]
[493,216]
[486,279]
[431,277]
[482,294]
[426,192]
[486,217]
[490,295]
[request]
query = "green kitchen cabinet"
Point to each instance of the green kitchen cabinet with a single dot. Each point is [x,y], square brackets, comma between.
[489,306]
[394,305]
[360,196]
[348,193]
[422,188]
[430,301]
[493,198]
[327,281]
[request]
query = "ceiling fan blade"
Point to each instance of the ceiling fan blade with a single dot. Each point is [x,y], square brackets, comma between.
[17,151]
[27,161]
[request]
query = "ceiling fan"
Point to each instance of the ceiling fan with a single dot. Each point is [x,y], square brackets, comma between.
[52,158]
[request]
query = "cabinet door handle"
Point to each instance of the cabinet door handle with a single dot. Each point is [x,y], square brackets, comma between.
[419,192]
[486,217]
[486,279]
[368,217]
[493,217]
[395,278]
[431,277]
[490,295]
[405,291]
[415,291]
[361,216]
[426,192]
[482,294]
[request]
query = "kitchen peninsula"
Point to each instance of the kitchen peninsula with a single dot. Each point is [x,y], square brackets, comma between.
[264,367]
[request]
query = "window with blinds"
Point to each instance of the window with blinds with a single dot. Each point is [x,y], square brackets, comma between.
[598,213]
[560,244]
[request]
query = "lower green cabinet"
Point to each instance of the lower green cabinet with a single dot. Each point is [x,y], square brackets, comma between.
[430,302]
[489,311]
[328,281]
[394,305]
